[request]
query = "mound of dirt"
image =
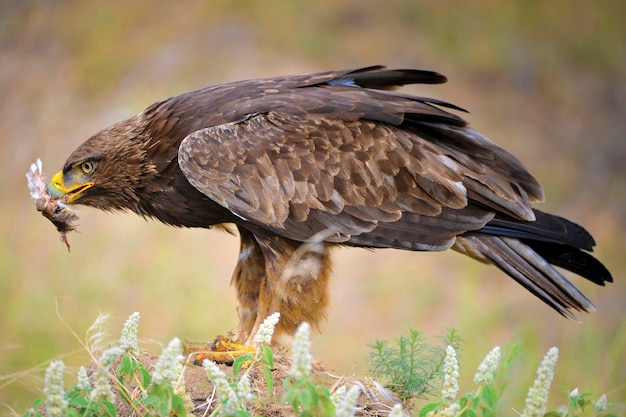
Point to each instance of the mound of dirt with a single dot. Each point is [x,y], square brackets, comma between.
[374,400]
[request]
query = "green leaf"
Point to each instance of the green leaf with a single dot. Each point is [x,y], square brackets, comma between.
[127,365]
[489,395]
[584,402]
[81,402]
[163,390]
[120,378]
[552,413]
[326,408]
[307,398]
[290,397]
[148,401]
[269,378]
[32,412]
[324,391]
[162,407]
[240,361]
[109,408]
[158,402]
[145,377]
[73,412]
[73,392]
[475,402]
[267,355]
[178,406]
[509,354]
[488,412]
[428,408]
[469,413]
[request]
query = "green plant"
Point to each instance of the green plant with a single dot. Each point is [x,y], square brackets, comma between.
[306,398]
[155,394]
[484,401]
[581,405]
[411,365]
[158,393]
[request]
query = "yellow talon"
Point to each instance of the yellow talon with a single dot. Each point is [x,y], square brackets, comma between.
[221,350]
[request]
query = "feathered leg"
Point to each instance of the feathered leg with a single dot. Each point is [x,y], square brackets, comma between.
[295,285]
[274,275]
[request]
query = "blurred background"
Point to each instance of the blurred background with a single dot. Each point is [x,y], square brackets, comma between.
[544,79]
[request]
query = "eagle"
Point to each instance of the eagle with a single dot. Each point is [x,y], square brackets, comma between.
[315,161]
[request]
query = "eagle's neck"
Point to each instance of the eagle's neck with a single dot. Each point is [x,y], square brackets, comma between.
[165,193]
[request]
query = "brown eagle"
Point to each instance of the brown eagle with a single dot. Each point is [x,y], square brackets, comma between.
[338,159]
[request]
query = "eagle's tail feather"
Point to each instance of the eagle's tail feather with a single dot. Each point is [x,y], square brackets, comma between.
[527,252]
[528,268]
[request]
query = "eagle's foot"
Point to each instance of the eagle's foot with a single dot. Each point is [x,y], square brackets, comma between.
[221,350]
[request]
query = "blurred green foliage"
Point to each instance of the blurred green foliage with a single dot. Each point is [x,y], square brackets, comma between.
[545,79]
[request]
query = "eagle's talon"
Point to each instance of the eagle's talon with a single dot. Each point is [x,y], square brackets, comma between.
[222,350]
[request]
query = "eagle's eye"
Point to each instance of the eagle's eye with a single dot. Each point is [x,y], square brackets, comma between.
[87,166]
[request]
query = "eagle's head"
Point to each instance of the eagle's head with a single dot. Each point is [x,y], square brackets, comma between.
[105,171]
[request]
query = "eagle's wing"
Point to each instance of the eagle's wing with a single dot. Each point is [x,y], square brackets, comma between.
[370,168]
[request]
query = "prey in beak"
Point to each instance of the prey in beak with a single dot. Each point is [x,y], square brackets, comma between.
[51,200]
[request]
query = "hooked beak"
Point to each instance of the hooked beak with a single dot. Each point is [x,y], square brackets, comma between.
[70,192]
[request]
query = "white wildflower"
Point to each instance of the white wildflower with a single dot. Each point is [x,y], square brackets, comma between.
[301,351]
[574,393]
[102,388]
[229,402]
[346,406]
[337,395]
[56,404]
[109,356]
[82,379]
[165,369]
[396,411]
[128,340]
[450,376]
[264,335]
[488,367]
[244,391]
[450,411]
[179,377]
[538,393]
[602,404]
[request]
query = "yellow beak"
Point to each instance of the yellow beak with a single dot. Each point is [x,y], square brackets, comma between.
[57,188]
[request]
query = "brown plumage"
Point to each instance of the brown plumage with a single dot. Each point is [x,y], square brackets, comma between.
[338,156]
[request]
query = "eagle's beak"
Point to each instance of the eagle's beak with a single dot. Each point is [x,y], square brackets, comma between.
[57,188]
